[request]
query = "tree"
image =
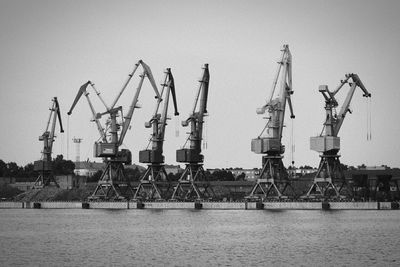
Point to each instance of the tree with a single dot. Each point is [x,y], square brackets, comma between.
[13,170]
[62,167]
[362,166]
[241,177]
[173,177]
[95,177]
[132,174]
[3,168]
[28,170]
[222,175]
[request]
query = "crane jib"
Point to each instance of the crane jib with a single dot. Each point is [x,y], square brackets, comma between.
[82,89]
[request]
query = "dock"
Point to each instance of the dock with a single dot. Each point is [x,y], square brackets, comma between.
[243,205]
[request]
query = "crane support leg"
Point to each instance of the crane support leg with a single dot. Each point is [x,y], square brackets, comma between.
[45,179]
[112,184]
[273,180]
[329,173]
[192,184]
[148,188]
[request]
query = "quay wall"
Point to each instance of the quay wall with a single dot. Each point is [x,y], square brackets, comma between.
[60,205]
[108,205]
[164,205]
[293,205]
[224,205]
[11,205]
[385,205]
[355,205]
[205,205]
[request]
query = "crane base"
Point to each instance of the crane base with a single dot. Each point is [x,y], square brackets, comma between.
[112,184]
[111,192]
[192,185]
[45,179]
[329,172]
[270,189]
[148,187]
[274,180]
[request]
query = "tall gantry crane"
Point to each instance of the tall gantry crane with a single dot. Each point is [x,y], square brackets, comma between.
[192,184]
[273,175]
[44,166]
[113,184]
[154,156]
[328,142]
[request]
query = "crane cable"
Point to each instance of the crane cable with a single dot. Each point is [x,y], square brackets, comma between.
[292,144]
[177,120]
[205,133]
[68,138]
[369,120]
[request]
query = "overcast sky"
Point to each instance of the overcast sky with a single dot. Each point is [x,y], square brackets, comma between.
[50,48]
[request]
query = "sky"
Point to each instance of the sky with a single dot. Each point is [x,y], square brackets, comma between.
[50,48]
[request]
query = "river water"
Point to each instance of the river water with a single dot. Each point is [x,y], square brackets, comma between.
[51,237]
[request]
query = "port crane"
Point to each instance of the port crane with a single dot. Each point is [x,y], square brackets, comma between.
[154,156]
[113,184]
[45,166]
[328,142]
[273,179]
[192,184]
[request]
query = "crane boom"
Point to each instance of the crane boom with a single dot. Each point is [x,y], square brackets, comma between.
[273,176]
[112,179]
[128,118]
[55,111]
[82,90]
[330,170]
[170,88]
[333,123]
[345,107]
[158,122]
[275,106]
[187,187]
[196,121]
[44,166]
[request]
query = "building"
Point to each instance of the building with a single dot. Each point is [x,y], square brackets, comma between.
[304,171]
[70,181]
[87,168]
[250,174]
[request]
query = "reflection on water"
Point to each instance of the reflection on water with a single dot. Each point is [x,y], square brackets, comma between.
[207,237]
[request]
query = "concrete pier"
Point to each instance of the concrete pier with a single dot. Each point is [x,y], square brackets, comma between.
[204,205]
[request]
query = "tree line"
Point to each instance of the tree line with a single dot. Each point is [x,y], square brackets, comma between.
[134,175]
[27,173]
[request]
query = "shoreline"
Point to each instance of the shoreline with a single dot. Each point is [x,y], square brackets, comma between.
[240,205]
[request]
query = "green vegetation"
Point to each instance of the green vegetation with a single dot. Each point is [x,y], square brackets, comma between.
[27,174]
[8,192]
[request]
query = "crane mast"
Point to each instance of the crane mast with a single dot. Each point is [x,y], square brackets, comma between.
[273,176]
[154,156]
[328,142]
[112,183]
[193,175]
[44,166]
[196,121]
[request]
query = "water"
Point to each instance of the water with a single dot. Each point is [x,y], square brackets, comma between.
[198,238]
